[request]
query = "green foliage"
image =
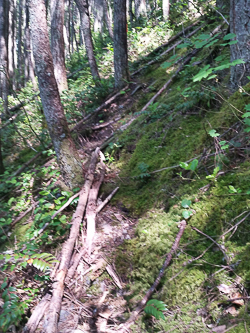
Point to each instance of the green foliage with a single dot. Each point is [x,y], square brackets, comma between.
[155,308]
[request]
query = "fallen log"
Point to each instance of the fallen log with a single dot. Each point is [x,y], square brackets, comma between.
[91,208]
[37,315]
[52,316]
[105,104]
[167,51]
[100,207]
[150,292]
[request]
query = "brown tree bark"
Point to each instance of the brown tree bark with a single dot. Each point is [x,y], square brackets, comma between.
[107,18]
[64,146]
[240,26]
[20,55]
[57,43]
[83,8]
[120,44]
[1,159]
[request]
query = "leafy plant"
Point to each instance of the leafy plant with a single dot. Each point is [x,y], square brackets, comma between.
[186,204]
[155,308]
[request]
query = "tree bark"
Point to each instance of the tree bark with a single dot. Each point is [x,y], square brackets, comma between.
[107,19]
[57,43]
[120,44]
[98,11]
[140,8]
[4,75]
[28,53]
[240,26]
[165,9]
[1,159]
[83,8]
[20,56]
[64,146]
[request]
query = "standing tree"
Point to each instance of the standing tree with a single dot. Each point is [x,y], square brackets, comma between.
[107,18]
[57,43]
[4,77]
[140,8]
[165,9]
[64,146]
[83,8]
[120,44]
[240,26]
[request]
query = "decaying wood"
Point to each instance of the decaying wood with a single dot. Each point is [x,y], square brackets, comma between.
[150,292]
[104,203]
[77,259]
[114,276]
[103,105]
[91,208]
[37,315]
[168,50]
[65,205]
[97,127]
[58,285]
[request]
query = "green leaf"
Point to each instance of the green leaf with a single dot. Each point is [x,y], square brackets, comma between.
[247,107]
[122,92]
[211,43]
[213,133]
[229,36]
[186,214]
[186,203]
[183,165]
[232,189]
[193,165]
[224,147]
[237,62]
[166,65]
[182,46]
[233,42]
[212,77]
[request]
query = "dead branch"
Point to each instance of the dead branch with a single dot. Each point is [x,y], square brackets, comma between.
[65,205]
[149,293]
[219,246]
[172,39]
[105,104]
[58,285]
[100,207]
[167,51]
[37,315]
[77,259]
[91,208]
[13,223]
[97,127]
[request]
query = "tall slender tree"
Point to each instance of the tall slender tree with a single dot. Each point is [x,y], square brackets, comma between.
[83,8]
[57,43]
[20,56]
[107,18]
[64,146]
[240,26]
[120,44]
[165,9]
[140,8]
[4,74]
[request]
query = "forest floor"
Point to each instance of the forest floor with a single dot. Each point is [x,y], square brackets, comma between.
[206,287]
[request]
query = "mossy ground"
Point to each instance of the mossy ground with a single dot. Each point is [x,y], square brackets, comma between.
[174,131]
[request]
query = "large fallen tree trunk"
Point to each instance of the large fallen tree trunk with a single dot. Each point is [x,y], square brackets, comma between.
[150,292]
[58,287]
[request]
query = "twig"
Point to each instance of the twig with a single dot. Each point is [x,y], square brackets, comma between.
[100,207]
[219,14]
[236,225]
[219,246]
[65,205]
[22,215]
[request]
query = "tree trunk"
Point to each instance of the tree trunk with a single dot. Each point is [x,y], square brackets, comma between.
[107,18]
[165,9]
[11,43]
[28,53]
[20,57]
[120,44]
[64,146]
[240,26]
[1,159]
[98,11]
[57,43]
[83,8]
[130,10]
[140,8]
[4,75]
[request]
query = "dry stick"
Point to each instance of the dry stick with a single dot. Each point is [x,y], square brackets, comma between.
[100,207]
[236,225]
[149,293]
[106,103]
[189,57]
[97,127]
[55,214]
[167,51]
[22,215]
[91,208]
[172,39]
[219,246]
[58,286]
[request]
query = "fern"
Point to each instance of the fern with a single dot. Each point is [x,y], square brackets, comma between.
[155,308]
